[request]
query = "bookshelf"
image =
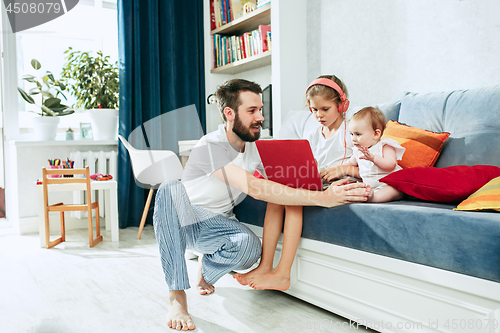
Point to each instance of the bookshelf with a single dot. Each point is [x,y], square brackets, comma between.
[286,66]
[248,22]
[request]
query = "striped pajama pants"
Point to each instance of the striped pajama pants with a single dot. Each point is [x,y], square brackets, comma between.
[226,243]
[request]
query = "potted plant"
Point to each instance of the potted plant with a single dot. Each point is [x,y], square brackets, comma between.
[45,94]
[94,82]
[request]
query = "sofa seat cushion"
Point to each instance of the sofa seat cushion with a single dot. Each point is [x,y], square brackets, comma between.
[426,233]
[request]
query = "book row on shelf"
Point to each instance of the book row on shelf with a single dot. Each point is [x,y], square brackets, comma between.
[228,49]
[225,11]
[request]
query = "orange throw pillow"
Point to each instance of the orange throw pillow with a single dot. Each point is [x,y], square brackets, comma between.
[422,147]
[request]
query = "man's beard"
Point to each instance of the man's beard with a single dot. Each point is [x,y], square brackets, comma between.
[243,132]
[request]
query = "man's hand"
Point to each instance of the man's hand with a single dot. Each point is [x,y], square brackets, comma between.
[339,193]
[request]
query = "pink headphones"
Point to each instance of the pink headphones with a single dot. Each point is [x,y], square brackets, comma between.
[344,102]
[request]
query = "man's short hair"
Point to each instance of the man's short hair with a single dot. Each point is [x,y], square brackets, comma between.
[228,94]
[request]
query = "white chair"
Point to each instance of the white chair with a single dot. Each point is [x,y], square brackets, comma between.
[152,167]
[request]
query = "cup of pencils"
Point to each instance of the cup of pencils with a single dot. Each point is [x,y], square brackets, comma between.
[54,164]
[68,164]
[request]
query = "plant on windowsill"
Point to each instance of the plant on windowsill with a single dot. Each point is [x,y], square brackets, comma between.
[45,95]
[94,82]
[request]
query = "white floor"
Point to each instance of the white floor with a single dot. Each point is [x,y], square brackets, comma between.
[119,287]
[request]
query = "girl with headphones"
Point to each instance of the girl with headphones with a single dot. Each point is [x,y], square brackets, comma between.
[331,145]
[327,99]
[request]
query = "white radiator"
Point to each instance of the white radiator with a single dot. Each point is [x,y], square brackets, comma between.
[98,162]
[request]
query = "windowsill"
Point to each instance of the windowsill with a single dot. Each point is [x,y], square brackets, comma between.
[28,140]
[65,122]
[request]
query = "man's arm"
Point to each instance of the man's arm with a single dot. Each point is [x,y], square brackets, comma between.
[269,191]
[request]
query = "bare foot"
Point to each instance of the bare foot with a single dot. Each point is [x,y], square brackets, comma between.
[177,315]
[272,280]
[202,286]
[245,278]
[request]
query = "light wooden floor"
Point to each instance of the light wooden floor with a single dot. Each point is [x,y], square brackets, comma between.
[119,287]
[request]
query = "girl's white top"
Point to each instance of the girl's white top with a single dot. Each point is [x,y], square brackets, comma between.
[330,152]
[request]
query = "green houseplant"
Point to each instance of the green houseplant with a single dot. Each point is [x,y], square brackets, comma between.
[94,81]
[45,95]
[49,89]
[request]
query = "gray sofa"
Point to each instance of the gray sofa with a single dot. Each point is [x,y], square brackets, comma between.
[368,261]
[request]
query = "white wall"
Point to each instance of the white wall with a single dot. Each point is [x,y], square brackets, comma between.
[382,48]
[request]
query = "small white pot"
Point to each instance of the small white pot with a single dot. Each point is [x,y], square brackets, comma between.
[45,127]
[104,124]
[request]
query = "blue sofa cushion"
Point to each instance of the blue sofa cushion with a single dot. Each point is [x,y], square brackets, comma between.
[425,111]
[430,234]
[473,110]
[297,124]
[471,148]
[390,110]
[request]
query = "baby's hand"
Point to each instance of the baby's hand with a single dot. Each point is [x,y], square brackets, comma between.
[331,173]
[367,155]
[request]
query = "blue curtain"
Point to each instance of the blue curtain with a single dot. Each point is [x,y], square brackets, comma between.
[161,70]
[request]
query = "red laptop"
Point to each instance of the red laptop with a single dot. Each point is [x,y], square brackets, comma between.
[290,162]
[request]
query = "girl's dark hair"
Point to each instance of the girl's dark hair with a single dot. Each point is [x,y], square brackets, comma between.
[327,92]
[228,94]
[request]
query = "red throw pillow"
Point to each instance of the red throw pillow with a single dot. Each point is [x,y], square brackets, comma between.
[449,184]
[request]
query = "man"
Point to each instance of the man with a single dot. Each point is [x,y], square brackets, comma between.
[197,212]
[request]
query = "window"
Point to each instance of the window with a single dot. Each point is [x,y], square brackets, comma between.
[89,26]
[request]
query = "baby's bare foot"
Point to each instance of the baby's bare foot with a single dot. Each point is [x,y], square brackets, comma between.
[202,286]
[177,315]
[272,280]
[244,279]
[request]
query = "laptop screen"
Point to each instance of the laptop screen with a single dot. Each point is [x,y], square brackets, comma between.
[290,162]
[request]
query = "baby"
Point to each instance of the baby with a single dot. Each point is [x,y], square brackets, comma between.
[374,156]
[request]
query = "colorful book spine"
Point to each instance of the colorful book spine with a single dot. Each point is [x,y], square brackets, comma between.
[263,30]
[224,12]
[212,16]
[230,10]
[243,51]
